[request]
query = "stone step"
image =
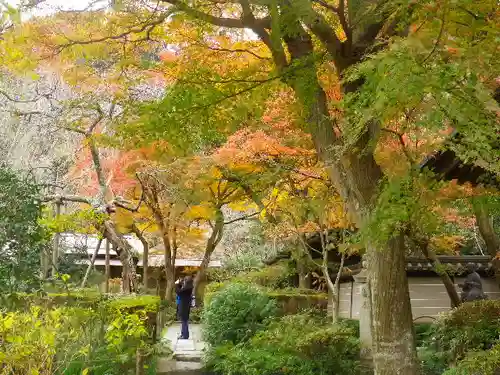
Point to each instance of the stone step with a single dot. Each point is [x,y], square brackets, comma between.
[174,367]
[188,356]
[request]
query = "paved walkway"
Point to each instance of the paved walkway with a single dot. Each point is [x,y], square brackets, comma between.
[192,348]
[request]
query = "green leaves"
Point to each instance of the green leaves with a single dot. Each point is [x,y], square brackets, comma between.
[423,83]
[22,237]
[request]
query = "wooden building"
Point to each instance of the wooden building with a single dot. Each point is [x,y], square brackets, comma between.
[427,293]
[83,247]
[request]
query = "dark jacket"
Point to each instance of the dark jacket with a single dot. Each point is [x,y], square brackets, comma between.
[185,292]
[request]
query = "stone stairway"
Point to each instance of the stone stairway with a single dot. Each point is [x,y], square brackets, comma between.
[187,354]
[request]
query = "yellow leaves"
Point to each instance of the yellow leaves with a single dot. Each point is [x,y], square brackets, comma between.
[242,206]
[201,211]
[245,167]
[445,244]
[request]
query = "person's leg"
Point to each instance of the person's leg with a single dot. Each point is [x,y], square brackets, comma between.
[185,329]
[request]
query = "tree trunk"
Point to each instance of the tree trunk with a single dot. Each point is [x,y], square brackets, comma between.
[302,257]
[145,255]
[170,283]
[212,242]
[492,240]
[107,268]
[169,268]
[92,261]
[304,279]
[392,328]
[333,287]
[139,362]
[357,177]
[125,252]
[423,244]
[125,287]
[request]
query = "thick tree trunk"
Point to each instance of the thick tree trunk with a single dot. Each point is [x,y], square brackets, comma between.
[125,252]
[170,283]
[303,271]
[485,223]
[392,328]
[357,177]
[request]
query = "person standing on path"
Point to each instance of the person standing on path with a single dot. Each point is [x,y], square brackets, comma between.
[184,290]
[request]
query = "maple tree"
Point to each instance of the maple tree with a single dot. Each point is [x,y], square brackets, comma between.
[293,47]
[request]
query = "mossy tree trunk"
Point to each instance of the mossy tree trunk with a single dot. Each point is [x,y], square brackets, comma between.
[485,224]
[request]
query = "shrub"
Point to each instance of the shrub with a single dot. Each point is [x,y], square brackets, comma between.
[470,327]
[276,276]
[289,301]
[296,344]
[235,313]
[485,362]
[295,301]
[72,340]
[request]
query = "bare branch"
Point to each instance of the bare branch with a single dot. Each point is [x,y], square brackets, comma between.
[122,204]
[244,217]
[67,198]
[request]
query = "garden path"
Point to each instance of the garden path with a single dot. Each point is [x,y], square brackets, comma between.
[187,354]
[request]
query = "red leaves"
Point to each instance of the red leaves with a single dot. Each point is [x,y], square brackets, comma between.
[115,166]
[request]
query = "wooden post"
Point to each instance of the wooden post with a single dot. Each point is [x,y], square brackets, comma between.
[55,244]
[108,269]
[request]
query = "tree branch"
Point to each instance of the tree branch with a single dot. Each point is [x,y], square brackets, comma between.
[136,30]
[119,203]
[67,198]
[244,217]
[220,21]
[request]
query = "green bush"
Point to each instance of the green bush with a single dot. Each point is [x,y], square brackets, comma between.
[276,276]
[72,340]
[470,327]
[235,313]
[433,362]
[485,362]
[289,301]
[295,344]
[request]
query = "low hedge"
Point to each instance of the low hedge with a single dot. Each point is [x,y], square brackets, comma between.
[289,301]
[276,276]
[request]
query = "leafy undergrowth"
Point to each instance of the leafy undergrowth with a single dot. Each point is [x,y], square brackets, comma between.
[247,336]
[100,340]
[461,341]
[294,344]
